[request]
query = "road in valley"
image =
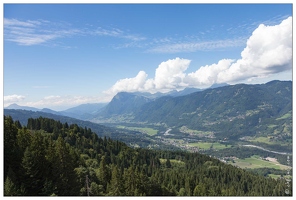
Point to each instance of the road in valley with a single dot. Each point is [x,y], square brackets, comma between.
[282,153]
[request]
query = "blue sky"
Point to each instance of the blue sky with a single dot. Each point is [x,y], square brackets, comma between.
[61,55]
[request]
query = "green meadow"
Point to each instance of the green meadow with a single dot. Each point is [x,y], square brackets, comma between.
[148,131]
[208,145]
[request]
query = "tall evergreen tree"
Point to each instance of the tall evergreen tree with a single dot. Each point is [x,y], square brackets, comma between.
[35,166]
[10,187]
[12,154]
[104,173]
[23,138]
[65,177]
[116,186]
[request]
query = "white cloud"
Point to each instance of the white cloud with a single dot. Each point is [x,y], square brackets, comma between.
[57,102]
[268,52]
[207,75]
[129,84]
[34,32]
[9,99]
[196,46]
[169,75]
[117,33]
[40,31]
[16,23]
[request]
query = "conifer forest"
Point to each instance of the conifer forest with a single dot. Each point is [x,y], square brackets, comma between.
[50,158]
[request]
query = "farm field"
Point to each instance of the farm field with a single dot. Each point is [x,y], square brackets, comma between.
[257,162]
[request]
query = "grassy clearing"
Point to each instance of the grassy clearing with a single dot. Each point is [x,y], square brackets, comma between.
[285,116]
[256,162]
[275,176]
[268,140]
[148,131]
[272,126]
[173,161]
[184,129]
[208,145]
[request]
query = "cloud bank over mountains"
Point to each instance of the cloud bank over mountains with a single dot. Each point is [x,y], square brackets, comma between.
[268,52]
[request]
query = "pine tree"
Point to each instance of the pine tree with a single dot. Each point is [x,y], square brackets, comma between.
[35,166]
[66,180]
[23,138]
[168,163]
[104,173]
[116,186]
[10,188]
[200,190]
[182,192]
[96,190]
[129,176]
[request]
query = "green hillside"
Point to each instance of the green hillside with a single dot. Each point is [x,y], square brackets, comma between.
[50,158]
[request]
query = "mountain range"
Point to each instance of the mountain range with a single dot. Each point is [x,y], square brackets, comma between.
[83,111]
[90,110]
[249,113]
[231,111]
[236,110]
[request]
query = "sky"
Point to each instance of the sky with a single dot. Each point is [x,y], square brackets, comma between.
[59,56]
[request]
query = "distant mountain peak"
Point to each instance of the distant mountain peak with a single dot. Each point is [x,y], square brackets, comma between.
[12,105]
[16,106]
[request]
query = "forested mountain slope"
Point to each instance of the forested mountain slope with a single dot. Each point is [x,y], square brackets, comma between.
[84,111]
[122,135]
[68,160]
[230,111]
[123,103]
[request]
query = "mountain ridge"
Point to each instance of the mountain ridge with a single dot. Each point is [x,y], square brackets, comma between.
[237,110]
[86,111]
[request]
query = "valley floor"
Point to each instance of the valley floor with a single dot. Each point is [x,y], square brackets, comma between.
[223,149]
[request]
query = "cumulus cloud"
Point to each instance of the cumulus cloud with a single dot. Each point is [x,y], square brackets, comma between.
[169,75]
[129,84]
[207,75]
[268,52]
